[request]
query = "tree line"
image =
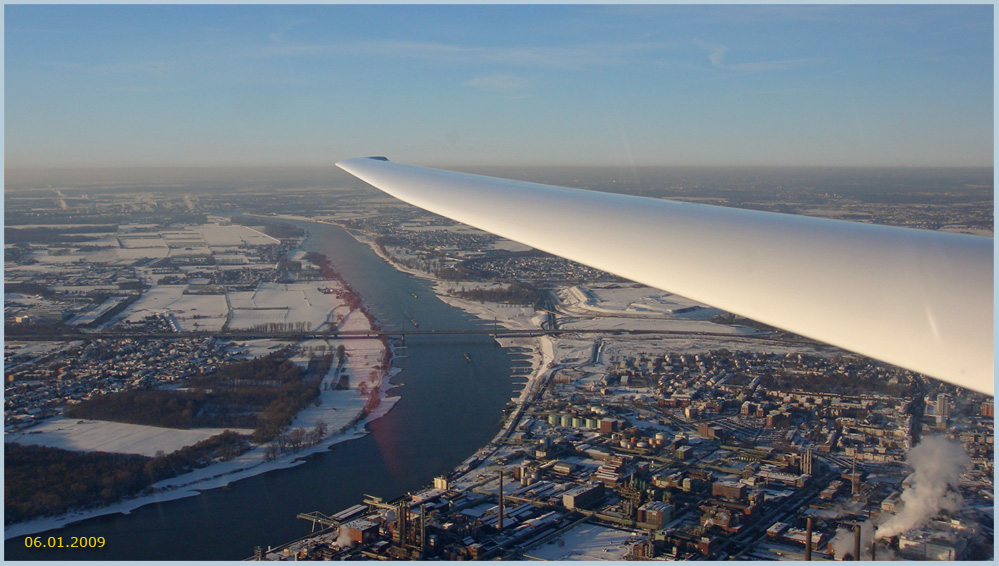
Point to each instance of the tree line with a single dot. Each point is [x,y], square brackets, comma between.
[516,293]
[264,394]
[39,480]
[279,230]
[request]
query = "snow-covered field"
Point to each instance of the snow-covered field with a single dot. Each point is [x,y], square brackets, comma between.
[613,306]
[282,303]
[210,235]
[340,410]
[631,300]
[250,349]
[130,255]
[33,349]
[93,314]
[216,235]
[611,323]
[586,542]
[24,299]
[286,303]
[104,436]
[509,316]
[193,312]
[141,242]
[337,409]
[127,247]
[193,483]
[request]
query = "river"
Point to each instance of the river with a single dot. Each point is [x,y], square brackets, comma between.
[450,406]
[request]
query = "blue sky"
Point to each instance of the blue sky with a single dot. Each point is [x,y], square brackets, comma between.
[480,85]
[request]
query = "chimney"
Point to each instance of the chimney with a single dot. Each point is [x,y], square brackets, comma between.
[853,477]
[423,527]
[499,525]
[808,540]
[856,542]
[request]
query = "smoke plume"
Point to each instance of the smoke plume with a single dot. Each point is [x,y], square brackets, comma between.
[937,462]
[343,539]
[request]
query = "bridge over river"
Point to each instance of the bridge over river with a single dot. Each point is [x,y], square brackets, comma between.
[366,334]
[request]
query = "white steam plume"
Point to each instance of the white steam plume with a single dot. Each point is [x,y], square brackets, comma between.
[938,462]
[343,539]
[842,544]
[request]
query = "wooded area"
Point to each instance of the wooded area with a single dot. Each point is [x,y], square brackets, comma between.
[41,481]
[515,293]
[263,394]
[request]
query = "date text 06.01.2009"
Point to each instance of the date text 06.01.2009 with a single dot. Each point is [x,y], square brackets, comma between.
[64,542]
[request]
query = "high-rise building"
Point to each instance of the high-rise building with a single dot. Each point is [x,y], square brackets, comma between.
[943,405]
[806,461]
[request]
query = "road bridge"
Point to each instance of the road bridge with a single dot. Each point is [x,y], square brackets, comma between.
[368,334]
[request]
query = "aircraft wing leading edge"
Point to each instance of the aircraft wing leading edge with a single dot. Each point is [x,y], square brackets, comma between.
[918,299]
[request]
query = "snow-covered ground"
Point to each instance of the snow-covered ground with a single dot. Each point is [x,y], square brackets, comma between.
[128,246]
[250,349]
[612,323]
[637,303]
[217,235]
[586,542]
[36,348]
[143,241]
[104,436]
[285,303]
[193,483]
[340,410]
[289,303]
[193,312]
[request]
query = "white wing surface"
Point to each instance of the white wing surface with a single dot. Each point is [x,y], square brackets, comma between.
[918,299]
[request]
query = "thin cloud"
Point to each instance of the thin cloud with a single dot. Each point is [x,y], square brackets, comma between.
[772,65]
[519,56]
[717,52]
[155,68]
[502,83]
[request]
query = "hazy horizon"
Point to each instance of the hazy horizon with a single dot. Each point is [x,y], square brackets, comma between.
[657,182]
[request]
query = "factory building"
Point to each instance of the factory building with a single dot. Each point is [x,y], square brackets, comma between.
[583,496]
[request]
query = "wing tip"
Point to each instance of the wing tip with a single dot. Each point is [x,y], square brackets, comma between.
[343,164]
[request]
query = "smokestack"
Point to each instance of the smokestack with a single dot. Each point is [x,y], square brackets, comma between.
[874,550]
[499,525]
[808,539]
[423,527]
[856,542]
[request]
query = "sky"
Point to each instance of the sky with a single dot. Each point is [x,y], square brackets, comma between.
[233,85]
